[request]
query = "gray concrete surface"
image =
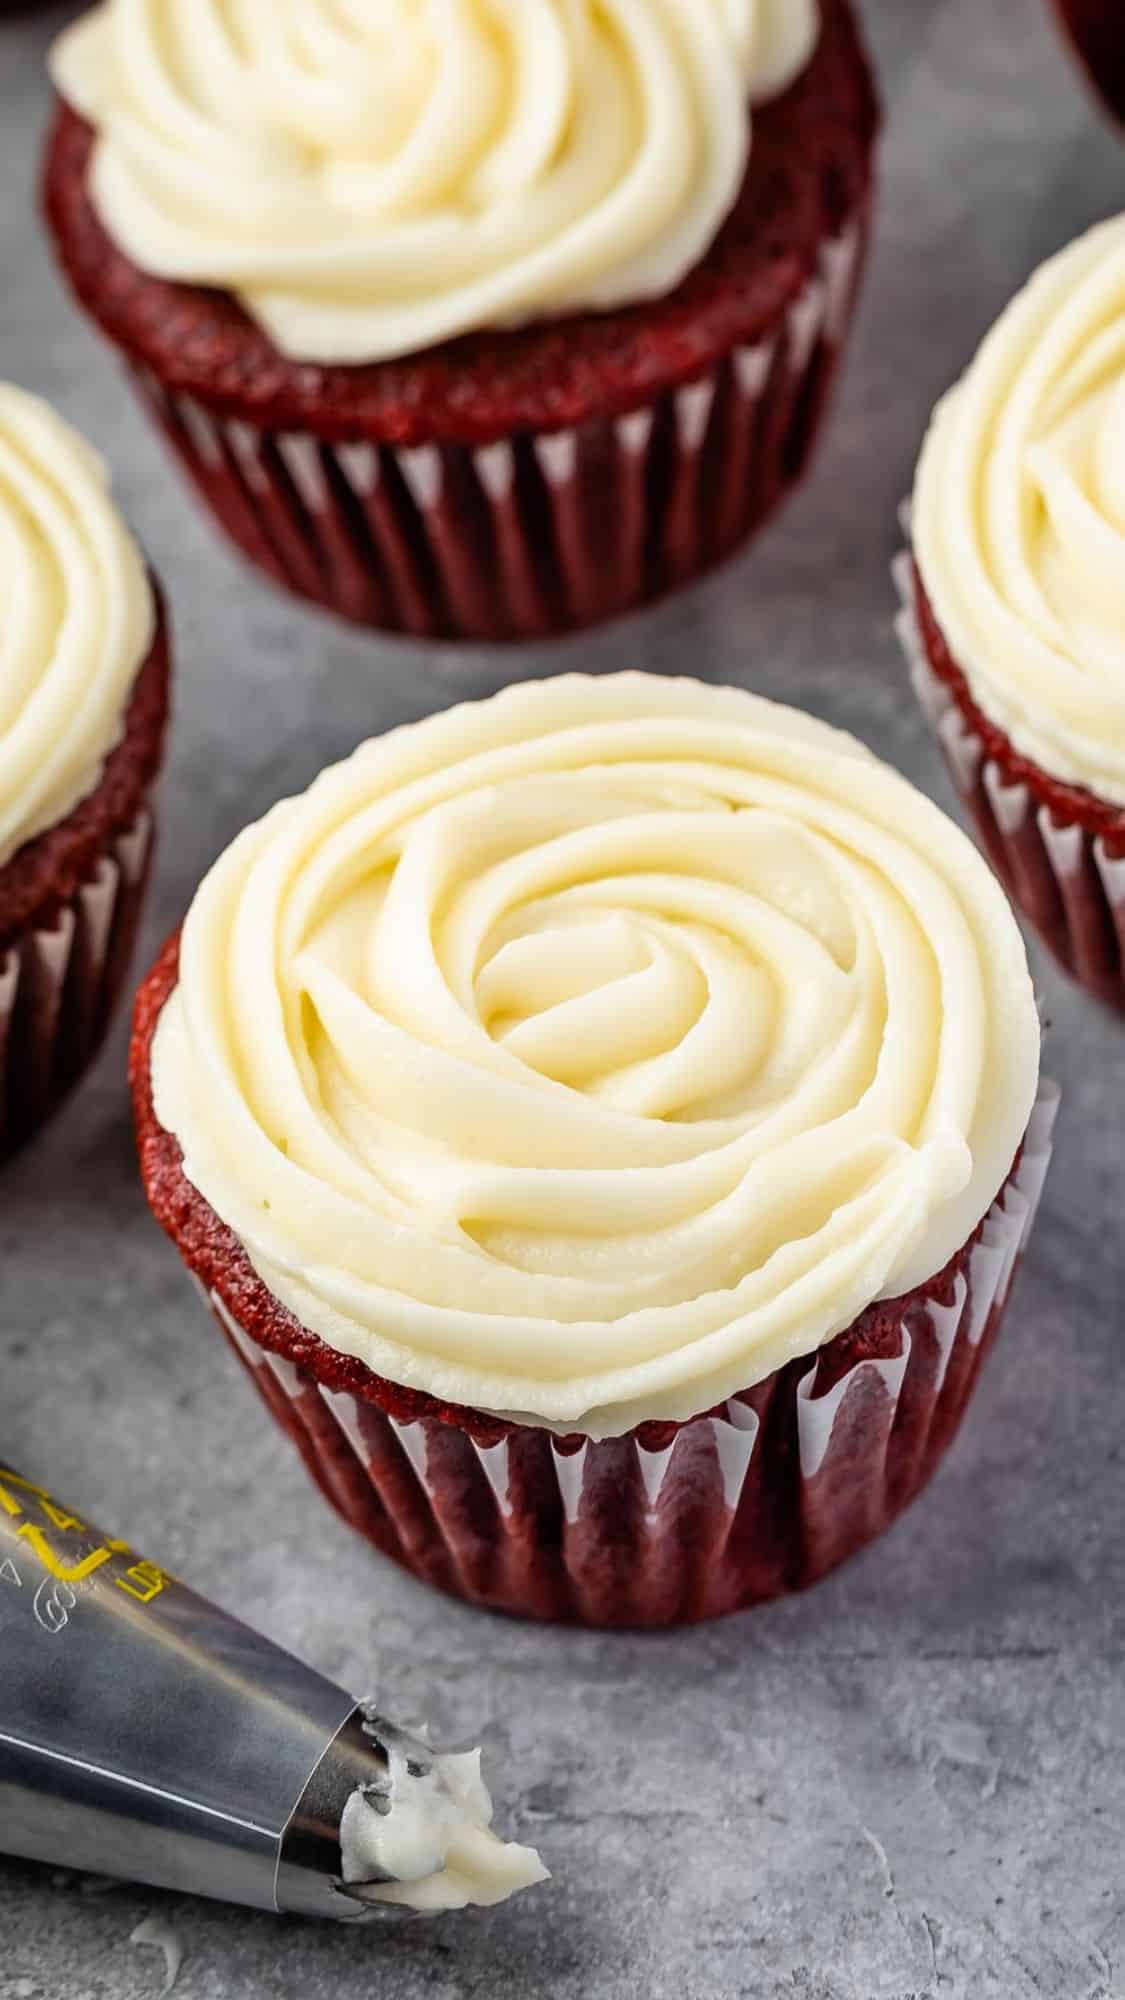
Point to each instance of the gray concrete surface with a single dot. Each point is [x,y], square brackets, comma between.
[909,1783]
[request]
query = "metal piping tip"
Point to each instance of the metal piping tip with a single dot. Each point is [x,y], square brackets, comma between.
[146,1734]
[310,1880]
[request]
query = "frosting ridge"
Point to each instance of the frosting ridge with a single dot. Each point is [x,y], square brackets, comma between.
[1019,517]
[76,618]
[586,1053]
[410,170]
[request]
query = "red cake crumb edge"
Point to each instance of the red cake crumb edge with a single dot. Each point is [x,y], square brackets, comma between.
[1068,804]
[810,171]
[46,872]
[214,1254]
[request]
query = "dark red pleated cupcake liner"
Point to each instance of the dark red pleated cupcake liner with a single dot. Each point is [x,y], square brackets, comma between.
[670,1524]
[1097,32]
[536,534]
[60,984]
[1065,876]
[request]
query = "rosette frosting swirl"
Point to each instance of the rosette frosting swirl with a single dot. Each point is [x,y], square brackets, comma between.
[586,1053]
[371,177]
[76,618]
[1019,520]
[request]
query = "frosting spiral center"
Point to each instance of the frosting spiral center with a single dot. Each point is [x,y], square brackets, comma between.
[587,1053]
[76,618]
[375,176]
[1020,517]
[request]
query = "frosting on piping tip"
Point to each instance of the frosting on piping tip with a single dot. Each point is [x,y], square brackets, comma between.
[430,1830]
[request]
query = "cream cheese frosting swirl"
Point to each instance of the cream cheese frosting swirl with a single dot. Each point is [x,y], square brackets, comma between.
[586,1053]
[371,177]
[1019,517]
[76,618]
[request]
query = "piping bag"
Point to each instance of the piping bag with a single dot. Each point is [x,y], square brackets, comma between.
[148,1735]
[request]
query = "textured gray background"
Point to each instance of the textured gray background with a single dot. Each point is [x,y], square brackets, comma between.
[909,1783]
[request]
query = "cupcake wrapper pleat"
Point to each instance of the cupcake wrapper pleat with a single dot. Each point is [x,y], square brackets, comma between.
[734,1508]
[59,986]
[536,534]
[1063,877]
[1094,27]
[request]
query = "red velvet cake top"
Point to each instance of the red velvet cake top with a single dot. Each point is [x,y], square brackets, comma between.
[809,170]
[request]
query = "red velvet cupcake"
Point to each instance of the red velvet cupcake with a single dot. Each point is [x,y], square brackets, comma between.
[1097,30]
[605,1121]
[501,338]
[1014,602]
[83,705]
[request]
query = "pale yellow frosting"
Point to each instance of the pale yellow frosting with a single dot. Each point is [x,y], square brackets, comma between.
[434,1839]
[1019,517]
[76,619]
[374,176]
[586,1053]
